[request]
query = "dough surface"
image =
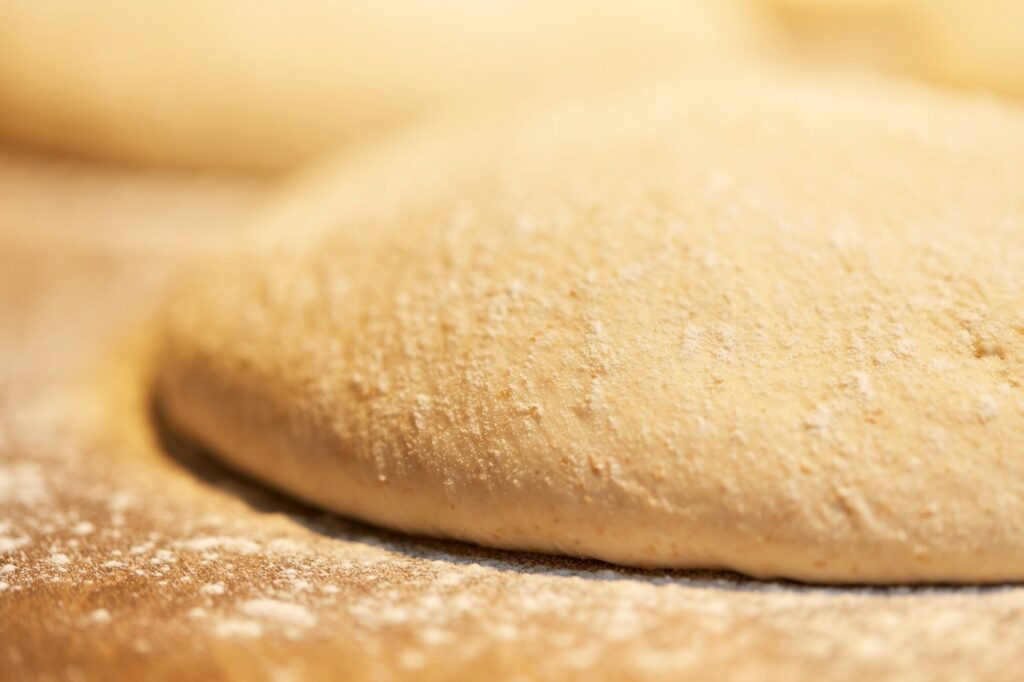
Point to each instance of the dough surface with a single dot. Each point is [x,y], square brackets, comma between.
[746,320]
[268,84]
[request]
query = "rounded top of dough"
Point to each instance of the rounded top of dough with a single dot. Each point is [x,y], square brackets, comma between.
[747,320]
[268,84]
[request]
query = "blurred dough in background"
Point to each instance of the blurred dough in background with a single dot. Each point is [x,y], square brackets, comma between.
[977,44]
[265,84]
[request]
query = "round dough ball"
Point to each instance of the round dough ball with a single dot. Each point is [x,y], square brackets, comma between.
[744,320]
[266,84]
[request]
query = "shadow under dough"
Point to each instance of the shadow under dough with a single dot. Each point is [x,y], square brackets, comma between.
[197,461]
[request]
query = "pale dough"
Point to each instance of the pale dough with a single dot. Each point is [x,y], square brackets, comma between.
[267,84]
[966,43]
[750,320]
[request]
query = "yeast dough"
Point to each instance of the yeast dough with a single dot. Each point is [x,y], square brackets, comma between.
[746,320]
[269,84]
[964,43]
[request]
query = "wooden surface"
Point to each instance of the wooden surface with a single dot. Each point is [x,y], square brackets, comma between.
[126,553]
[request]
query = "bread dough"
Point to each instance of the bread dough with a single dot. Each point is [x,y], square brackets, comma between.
[746,320]
[263,83]
[127,557]
[964,43]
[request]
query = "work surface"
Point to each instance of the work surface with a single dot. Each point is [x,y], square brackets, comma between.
[127,553]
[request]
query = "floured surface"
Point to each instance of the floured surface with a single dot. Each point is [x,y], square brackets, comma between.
[122,559]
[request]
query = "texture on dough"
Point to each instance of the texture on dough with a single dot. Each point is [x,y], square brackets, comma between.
[748,319]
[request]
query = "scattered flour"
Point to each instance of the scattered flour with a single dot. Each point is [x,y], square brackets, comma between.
[9,544]
[207,543]
[100,616]
[281,612]
[60,559]
[236,627]
[22,484]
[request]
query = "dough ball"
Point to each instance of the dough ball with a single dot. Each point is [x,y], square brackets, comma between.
[737,319]
[965,43]
[267,84]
